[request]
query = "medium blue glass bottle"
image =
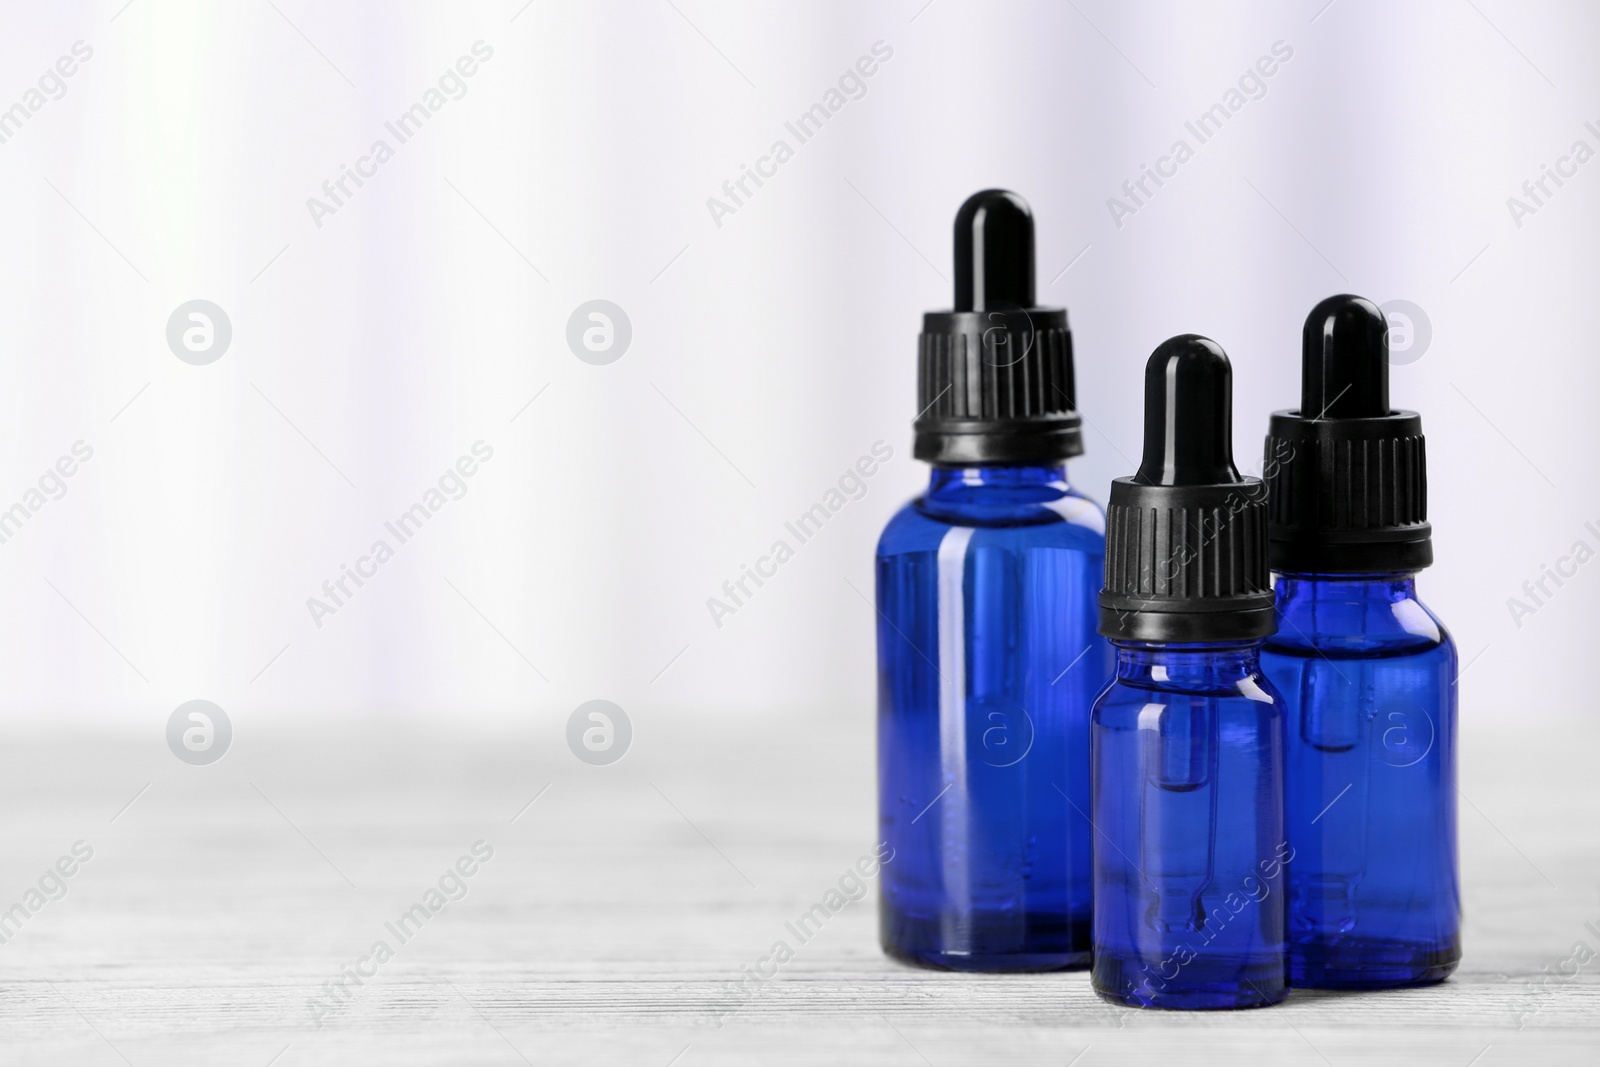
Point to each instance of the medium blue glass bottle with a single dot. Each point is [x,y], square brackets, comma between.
[988,658]
[1190,852]
[1368,673]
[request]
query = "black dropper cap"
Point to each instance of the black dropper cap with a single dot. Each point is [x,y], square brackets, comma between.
[1348,476]
[1186,537]
[994,375]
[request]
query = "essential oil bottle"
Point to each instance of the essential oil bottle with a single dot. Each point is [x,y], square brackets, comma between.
[1190,856]
[1367,671]
[988,659]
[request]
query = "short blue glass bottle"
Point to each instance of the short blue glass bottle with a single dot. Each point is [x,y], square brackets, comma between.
[1187,742]
[1367,671]
[988,664]
[988,658]
[1188,799]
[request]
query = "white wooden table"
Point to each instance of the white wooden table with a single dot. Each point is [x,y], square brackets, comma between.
[617,911]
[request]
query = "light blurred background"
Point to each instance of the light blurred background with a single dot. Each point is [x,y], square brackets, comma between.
[770,347]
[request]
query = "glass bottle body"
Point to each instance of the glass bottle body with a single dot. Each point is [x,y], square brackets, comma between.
[988,662]
[1368,676]
[1190,853]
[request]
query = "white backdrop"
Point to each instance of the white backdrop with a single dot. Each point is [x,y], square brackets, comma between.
[377,338]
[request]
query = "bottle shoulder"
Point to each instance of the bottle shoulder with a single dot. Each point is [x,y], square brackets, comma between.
[1251,704]
[1252,687]
[1066,520]
[1338,624]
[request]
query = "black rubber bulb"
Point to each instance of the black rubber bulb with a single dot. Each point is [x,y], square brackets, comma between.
[994,252]
[1344,360]
[1188,414]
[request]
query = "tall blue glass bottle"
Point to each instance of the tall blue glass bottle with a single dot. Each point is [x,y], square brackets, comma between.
[1367,670]
[988,658]
[1190,853]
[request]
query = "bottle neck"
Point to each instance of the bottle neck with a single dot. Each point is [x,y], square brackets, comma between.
[1203,667]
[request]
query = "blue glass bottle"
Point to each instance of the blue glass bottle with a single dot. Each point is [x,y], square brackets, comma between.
[988,658]
[989,662]
[1188,795]
[1368,672]
[1190,852]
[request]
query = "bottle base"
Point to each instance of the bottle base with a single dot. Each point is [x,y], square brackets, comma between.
[992,945]
[991,963]
[1370,964]
[1223,983]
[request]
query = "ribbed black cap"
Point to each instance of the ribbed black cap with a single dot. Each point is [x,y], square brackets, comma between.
[1348,476]
[1186,537]
[994,375]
